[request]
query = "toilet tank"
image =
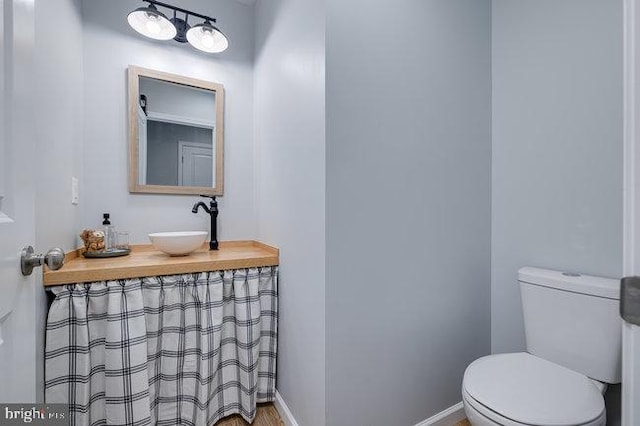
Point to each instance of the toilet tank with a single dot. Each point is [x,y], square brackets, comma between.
[573,320]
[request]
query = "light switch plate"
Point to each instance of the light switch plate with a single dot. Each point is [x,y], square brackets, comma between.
[75,196]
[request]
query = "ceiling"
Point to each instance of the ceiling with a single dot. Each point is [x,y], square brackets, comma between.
[249,2]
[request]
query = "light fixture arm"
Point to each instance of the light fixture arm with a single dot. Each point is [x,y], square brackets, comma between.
[179,9]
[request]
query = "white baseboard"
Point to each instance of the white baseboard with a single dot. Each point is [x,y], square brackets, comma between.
[448,417]
[283,410]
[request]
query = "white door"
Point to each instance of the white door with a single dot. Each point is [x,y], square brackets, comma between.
[630,374]
[195,165]
[631,233]
[17,199]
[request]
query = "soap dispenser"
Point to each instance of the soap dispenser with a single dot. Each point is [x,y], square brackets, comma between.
[109,232]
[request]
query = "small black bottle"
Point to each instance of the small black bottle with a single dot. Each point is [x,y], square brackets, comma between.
[109,232]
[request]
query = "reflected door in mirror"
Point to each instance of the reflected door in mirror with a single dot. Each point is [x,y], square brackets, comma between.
[196,164]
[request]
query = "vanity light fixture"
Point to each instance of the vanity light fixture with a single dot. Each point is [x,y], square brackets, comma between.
[207,38]
[151,23]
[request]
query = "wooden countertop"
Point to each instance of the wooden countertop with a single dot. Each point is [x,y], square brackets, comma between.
[145,261]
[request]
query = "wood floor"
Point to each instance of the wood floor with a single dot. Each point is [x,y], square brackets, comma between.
[267,416]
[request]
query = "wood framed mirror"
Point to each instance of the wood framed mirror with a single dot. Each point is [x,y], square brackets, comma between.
[176,134]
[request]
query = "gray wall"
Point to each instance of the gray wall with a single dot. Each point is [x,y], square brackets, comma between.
[109,47]
[557,146]
[290,189]
[408,205]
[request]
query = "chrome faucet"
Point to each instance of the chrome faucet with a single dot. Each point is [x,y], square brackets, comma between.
[212,210]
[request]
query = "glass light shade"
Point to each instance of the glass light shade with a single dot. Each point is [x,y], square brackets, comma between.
[151,23]
[207,38]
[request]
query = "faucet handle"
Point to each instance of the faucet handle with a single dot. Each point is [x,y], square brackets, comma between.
[213,202]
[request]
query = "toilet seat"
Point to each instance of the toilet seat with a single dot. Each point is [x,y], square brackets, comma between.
[522,389]
[479,415]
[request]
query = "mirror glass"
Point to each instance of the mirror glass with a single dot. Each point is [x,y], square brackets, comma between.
[176,134]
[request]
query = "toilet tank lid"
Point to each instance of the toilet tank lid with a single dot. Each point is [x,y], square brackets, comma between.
[569,281]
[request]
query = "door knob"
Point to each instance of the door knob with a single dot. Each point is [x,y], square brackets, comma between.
[630,300]
[54,259]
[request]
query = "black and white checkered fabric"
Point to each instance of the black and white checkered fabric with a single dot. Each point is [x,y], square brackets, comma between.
[171,350]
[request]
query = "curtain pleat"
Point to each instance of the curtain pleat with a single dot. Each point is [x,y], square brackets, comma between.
[183,349]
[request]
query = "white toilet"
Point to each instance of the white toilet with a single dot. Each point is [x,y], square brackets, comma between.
[573,334]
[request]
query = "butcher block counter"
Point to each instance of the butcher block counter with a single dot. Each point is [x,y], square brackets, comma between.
[145,261]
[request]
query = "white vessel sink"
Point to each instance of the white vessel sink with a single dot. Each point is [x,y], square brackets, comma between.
[178,243]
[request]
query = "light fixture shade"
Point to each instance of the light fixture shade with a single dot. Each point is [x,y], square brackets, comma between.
[207,38]
[149,22]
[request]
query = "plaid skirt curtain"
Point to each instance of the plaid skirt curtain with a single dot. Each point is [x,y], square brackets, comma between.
[171,350]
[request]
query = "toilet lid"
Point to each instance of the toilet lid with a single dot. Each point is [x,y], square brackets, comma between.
[533,391]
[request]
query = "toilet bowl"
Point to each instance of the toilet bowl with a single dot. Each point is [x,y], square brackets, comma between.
[521,389]
[573,345]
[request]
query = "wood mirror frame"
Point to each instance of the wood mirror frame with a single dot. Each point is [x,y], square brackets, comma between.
[134,74]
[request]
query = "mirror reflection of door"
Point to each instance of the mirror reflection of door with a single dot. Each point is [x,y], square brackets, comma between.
[175,113]
[142,140]
[164,152]
[195,167]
